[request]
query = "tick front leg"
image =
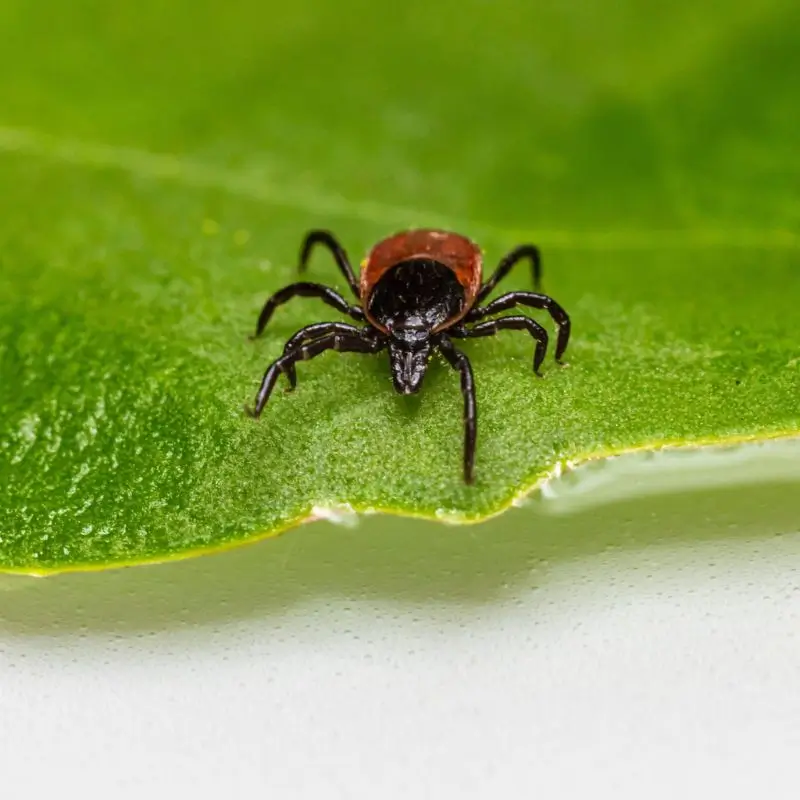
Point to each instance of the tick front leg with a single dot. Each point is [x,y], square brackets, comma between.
[507,263]
[344,343]
[328,240]
[520,323]
[316,331]
[533,300]
[459,361]
[324,293]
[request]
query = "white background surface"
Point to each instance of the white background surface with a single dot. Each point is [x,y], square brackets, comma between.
[403,660]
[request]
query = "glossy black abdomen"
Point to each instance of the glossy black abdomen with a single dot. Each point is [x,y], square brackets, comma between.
[417,293]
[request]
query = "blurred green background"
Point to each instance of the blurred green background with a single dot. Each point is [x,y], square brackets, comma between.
[553,116]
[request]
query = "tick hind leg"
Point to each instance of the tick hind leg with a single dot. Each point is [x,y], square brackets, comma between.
[459,361]
[344,343]
[317,331]
[304,289]
[520,323]
[328,240]
[532,300]
[507,263]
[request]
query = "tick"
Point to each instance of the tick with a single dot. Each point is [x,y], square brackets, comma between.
[417,291]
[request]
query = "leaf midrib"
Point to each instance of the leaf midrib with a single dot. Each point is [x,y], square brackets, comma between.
[198,175]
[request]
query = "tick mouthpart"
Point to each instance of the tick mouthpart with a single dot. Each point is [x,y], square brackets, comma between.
[408,368]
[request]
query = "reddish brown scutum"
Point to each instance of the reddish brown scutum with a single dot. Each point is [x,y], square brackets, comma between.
[453,250]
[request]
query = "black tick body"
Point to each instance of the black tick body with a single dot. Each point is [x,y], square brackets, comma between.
[417,291]
[410,301]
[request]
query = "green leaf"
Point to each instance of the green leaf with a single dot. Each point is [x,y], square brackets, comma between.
[160,164]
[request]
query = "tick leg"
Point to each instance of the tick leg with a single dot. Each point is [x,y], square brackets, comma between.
[507,263]
[316,331]
[533,300]
[327,239]
[519,323]
[324,293]
[459,361]
[344,343]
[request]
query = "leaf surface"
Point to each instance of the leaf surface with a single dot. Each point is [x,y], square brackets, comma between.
[160,165]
